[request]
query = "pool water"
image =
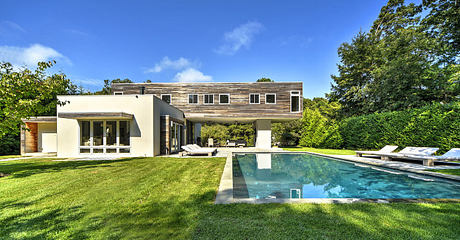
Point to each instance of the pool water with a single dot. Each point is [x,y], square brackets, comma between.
[265,176]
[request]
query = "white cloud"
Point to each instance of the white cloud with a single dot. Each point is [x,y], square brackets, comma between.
[192,75]
[167,63]
[6,26]
[29,56]
[242,36]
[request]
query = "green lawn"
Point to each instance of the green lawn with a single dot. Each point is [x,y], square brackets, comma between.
[9,156]
[172,198]
[447,171]
[322,150]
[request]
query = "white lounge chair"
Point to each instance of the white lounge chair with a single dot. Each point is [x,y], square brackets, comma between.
[386,149]
[451,155]
[418,151]
[197,150]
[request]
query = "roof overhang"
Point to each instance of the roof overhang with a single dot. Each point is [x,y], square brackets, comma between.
[41,119]
[207,119]
[96,115]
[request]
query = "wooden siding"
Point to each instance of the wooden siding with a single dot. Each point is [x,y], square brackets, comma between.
[31,138]
[239,106]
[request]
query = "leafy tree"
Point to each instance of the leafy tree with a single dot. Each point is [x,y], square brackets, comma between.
[400,63]
[223,132]
[443,23]
[319,124]
[264,80]
[286,133]
[107,89]
[26,93]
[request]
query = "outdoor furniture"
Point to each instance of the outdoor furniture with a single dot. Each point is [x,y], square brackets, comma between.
[240,143]
[231,143]
[197,150]
[417,151]
[386,149]
[451,155]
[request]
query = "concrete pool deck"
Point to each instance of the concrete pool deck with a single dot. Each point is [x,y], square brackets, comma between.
[225,191]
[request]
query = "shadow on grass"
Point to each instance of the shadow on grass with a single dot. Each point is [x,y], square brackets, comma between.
[196,217]
[25,168]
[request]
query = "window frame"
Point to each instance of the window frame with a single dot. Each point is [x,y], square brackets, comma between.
[266,98]
[197,98]
[104,145]
[258,94]
[295,93]
[204,99]
[170,98]
[227,94]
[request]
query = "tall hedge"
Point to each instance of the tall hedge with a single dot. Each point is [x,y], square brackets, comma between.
[437,125]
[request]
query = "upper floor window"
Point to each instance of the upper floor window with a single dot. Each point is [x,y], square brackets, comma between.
[270,98]
[193,98]
[117,93]
[224,98]
[295,101]
[166,98]
[208,99]
[254,98]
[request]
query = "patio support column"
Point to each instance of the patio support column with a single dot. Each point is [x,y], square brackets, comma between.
[263,133]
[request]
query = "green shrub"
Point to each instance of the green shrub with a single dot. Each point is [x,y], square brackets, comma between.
[223,132]
[437,125]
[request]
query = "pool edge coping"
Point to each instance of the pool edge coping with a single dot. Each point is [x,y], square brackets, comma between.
[225,190]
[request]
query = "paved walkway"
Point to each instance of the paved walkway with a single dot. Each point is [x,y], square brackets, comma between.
[12,159]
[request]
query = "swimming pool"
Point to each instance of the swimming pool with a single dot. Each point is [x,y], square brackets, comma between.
[293,176]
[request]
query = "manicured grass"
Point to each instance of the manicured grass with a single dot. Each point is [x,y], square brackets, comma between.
[172,198]
[447,171]
[322,150]
[9,156]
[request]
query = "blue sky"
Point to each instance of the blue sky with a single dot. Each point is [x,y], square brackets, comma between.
[170,41]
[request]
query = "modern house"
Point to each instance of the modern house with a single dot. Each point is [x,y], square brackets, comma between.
[149,119]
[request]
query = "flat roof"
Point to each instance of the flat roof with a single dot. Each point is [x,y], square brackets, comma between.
[96,115]
[40,119]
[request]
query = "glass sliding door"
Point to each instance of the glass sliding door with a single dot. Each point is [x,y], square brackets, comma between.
[175,136]
[99,136]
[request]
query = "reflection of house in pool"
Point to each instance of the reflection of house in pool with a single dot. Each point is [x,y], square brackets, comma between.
[274,176]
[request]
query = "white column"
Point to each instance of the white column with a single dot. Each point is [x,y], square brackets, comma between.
[263,133]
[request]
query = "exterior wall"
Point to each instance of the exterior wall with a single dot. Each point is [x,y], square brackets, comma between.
[168,113]
[46,128]
[31,137]
[263,134]
[239,107]
[142,139]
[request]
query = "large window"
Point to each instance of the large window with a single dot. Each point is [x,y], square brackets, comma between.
[99,136]
[270,98]
[224,98]
[166,98]
[254,98]
[208,99]
[295,101]
[193,98]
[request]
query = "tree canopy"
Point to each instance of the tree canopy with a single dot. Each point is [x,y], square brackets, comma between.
[26,93]
[404,61]
[264,80]
[107,89]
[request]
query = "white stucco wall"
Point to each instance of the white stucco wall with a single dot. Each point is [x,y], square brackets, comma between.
[142,126]
[263,134]
[46,128]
